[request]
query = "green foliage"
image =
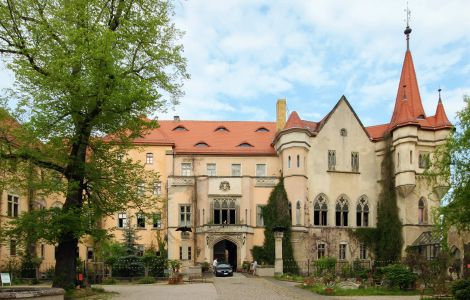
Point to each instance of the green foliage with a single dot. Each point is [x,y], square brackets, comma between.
[325,265]
[129,239]
[276,214]
[128,266]
[111,251]
[28,266]
[109,281]
[398,275]
[156,264]
[450,167]
[146,280]
[461,289]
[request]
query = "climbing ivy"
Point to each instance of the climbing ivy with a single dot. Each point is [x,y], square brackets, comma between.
[386,239]
[276,214]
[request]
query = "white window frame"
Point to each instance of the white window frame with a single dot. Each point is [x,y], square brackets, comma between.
[186,213]
[362,251]
[186,169]
[211,171]
[265,170]
[343,249]
[157,188]
[12,202]
[149,158]
[141,188]
[322,248]
[122,216]
[140,216]
[158,218]
[240,170]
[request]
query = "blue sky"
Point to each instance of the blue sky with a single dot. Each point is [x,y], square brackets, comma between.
[244,55]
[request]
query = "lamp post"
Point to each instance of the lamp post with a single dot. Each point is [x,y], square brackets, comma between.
[278,235]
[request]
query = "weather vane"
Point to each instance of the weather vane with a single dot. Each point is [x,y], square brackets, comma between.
[408,29]
[407,15]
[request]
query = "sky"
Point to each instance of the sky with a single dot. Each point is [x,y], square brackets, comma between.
[243,55]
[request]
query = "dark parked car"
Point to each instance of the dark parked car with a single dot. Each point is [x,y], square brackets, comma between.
[223,270]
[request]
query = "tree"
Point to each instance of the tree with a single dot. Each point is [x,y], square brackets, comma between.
[86,69]
[451,163]
[276,214]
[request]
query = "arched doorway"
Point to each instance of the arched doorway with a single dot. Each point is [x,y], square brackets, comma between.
[226,251]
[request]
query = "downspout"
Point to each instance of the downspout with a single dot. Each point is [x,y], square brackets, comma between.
[196,213]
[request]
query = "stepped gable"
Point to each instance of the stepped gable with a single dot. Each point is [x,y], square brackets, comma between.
[213,137]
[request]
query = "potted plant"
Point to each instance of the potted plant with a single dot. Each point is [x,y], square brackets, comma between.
[175,275]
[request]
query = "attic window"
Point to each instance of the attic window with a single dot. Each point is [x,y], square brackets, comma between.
[421,117]
[262,129]
[180,128]
[201,145]
[221,129]
[343,132]
[245,145]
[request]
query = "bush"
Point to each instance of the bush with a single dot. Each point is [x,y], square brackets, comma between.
[129,266]
[461,289]
[398,275]
[109,281]
[156,264]
[146,280]
[325,265]
[259,255]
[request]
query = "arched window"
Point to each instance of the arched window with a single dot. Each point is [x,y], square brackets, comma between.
[342,211]
[224,211]
[422,211]
[320,211]
[362,212]
[290,211]
[288,161]
[297,212]
[298,161]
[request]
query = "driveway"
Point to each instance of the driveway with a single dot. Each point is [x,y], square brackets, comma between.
[238,287]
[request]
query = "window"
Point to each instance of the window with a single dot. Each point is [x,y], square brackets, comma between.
[43,250]
[342,212]
[221,129]
[189,253]
[90,255]
[186,169]
[362,212]
[423,160]
[297,212]
[122,220]
[259,216]
[157,188]
[342,251]
[13,204]
[185,215]
[411,157]
[355,161]
[245,145]
[321,250]
[149,159]
[331,160]
[362,251]
[141,189]
[224,211]
[260,170]
[290,211]
[298,161]
[288,162]
[320,212]
[343,132]
[236,170]
[12,247]
[211,170]
[157,221]
[181,253]
[422,212]
[180,128]
[140,220]
[201,145]
[262,129]
[398,159]
[120,156]
[140,250]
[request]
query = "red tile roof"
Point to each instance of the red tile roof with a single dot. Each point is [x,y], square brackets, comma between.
[219,142]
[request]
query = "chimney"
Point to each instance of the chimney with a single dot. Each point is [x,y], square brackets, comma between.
[280,114]
[176,118]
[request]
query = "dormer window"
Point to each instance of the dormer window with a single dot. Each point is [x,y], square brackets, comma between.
[221,129]
[421,117]
[245,145]
[201,145]
[180,128]
[262,129]
[343,132]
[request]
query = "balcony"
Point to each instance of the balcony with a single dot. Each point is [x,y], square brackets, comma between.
[266,181]
[224,228]
[180,180]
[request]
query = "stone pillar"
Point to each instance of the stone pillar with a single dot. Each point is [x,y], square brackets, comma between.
[278,265]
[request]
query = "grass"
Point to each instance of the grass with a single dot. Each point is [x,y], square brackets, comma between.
[94,293]
[373,291]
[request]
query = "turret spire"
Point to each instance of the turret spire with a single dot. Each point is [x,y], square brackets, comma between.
[407,29]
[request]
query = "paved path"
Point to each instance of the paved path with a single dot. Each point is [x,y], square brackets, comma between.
[237,287]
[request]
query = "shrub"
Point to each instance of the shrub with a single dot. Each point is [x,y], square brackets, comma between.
[461,289]
[109,281]
[128,266]
[325,265]
[398,275]
[146,280]
[156,264]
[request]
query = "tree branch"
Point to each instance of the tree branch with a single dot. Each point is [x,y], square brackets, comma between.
[38,162]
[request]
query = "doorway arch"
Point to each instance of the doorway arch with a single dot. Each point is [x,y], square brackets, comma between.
[226,251]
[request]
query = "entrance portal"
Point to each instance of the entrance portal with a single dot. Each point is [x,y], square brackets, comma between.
[226,251]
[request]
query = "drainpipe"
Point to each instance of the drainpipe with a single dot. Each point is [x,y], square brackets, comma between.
[196,213]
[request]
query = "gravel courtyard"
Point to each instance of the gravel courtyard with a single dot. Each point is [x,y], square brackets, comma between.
[237,287]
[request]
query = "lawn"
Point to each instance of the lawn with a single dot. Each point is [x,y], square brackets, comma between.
[372,291]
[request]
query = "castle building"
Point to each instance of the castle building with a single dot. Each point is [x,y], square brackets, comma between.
[216,175]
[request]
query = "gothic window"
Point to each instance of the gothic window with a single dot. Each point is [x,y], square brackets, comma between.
[342,251]
[259,216]
[290,211]
[342,212]
[422,211]
[423,160]
[297,212]
[320,211]
[288,162]
[362,251]
[355,161]
[411,157]
[331,160]
[362,212]
[298,161]
[224,211]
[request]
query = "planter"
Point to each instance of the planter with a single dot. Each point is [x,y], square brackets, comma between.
[32,293]
[265,271]
[176,279]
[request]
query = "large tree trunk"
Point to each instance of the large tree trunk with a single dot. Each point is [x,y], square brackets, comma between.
[66,262]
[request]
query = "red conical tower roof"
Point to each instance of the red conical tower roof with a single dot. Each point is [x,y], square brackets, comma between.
[293,121]
[441,117]
[408,87]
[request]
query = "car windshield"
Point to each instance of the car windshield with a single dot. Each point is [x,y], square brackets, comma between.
[225,266]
